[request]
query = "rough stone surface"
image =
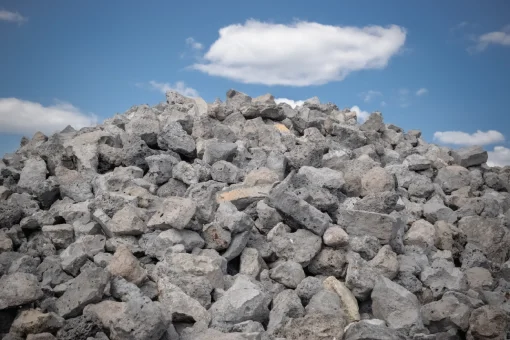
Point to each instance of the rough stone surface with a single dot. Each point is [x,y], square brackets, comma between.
[251,220]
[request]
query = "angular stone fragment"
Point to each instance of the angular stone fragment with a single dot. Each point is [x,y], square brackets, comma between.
[288,273]
[417,162]
[366,329]
[216,237]
[225,172]
[469,156]
[86,288]
[173,137]
[286,305]
[335,236]
[243,301]
[297,210]
[128,221]
[34,321]
[73,185]
[251,263]
[300,246]
[62,235]
[452,178]
[124,264]
[242,196]
[219,151]
[348,301]
[175,212]
[179,306]
[314,326]
[395,304]
[487,322]
[18,289]
[377,180]
[360,223]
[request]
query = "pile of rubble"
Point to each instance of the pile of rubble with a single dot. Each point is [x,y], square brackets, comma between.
[255,221]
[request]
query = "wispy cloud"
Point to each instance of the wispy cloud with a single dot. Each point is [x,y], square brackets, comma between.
[179,86]
[483,41]
[369,95]
[467,139]
[272,54]
[421,92]
[191,42]
[383,103]
[26,117]
[12,17]
[292,103]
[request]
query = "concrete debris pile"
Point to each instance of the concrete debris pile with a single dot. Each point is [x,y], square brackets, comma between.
[248,220]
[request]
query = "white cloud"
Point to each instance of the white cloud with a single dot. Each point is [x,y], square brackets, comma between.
[299,54]
[26,117]
[383,103]
[177,87]
[369,95]
[292,103]
[362,115]
[463,138]
[492,38]
[194,44]
[12,17]
[500,156]
[422,91]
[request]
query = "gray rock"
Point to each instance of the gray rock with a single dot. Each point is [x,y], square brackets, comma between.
[447,313]
[335,237]
[160,168]
[395,305]
[360,223]
[19,289]
[128,221]
[179,306]
[377,180]
[243,301]
[442,276]
[135,319]
[488,234]
[366,246]
[325,302]
[33,321]
[470,156]
[204,196]
[288,273]
[365,330]
[360,277]
[314,326]
[173,137]
[452,178]
[185,173]
[86,288]
[286,306]
[216,237]
[301,246]
[416,162]
[223,171]
[487,322]
[268,217]
[219,151]
[297,210]
[175,212]
[251,263]
[329,262]
[74,256]
[434,211]
[308,287]
[61,235]
[237,245]
[125,265]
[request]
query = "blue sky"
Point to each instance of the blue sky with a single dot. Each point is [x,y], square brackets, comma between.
[79,62]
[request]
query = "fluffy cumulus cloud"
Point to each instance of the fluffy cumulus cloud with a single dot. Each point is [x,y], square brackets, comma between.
[177,87]
[501,37]
[292,103]
[299,54]
[12,17]
[467,139]
[191,42]
[500,156]
[26,117]
[421,92]
[362,115]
